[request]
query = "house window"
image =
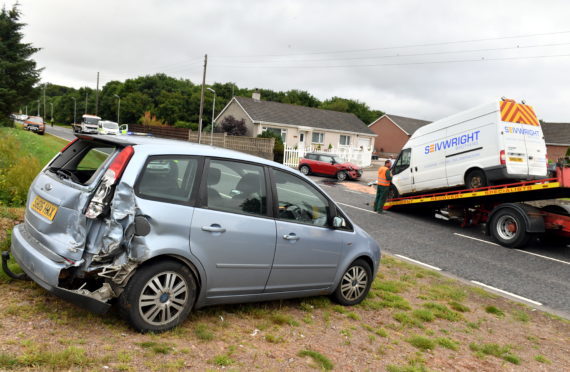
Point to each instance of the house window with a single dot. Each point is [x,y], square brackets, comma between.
[344,140]
[318,137]
[278,131]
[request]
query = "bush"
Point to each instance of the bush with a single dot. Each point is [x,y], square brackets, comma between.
[232,126]
[186,124]
[278,148]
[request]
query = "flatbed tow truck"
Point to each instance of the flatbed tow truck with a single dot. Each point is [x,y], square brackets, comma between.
[501,208]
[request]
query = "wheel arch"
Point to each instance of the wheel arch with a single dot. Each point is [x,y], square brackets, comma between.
[534,222]
[174,257]
[345,264]
[471,169]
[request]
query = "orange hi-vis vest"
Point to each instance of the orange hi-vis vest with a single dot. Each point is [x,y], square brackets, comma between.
[382,181]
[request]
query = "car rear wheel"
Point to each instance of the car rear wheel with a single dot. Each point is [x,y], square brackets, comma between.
[159,296]
[354,284]
[305,170]
[341,176]
[475,179]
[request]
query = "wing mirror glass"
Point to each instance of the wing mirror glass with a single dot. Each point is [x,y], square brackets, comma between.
[338,222]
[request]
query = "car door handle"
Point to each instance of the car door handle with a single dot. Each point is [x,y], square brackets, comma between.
[215,228]
[290,237]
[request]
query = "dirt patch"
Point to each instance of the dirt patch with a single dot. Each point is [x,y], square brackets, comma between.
[413,318]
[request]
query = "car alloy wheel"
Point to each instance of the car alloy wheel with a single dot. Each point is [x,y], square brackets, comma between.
[341,176]
[163,298]
[305,170]
[354,284]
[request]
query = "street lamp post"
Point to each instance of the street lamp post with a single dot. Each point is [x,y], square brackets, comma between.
[51,105]
[213,109]
[38,107]
[74,109]
[118,109]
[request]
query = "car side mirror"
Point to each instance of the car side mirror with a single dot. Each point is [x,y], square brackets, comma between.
[338,222]
[333,162]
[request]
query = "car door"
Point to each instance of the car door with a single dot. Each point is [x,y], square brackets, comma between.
[231,233]
[326,165]
[307,249]
[402,175]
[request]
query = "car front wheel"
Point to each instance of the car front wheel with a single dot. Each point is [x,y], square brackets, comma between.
[341,176]
[159,296]
[354,284]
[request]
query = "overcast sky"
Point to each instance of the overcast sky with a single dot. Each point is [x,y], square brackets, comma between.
[422,59]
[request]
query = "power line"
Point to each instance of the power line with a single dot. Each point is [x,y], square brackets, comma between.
[481,59]
[403,46]
[517,47]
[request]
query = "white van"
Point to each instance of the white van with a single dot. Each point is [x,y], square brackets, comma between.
[474,148]
[107,127]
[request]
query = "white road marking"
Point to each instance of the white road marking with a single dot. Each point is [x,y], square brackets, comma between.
[479,240]
[548,258]
[507,293]
[418,262]
[352,206]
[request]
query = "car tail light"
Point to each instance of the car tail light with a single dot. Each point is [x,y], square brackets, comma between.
[503,157]
[102,196]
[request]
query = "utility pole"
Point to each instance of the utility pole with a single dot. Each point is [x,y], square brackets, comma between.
[38,107]
[97,97]
[86,95]
[74,109]
[26,110]
[202,99]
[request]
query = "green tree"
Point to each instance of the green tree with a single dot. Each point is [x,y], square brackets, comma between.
[18,72]
[232,126]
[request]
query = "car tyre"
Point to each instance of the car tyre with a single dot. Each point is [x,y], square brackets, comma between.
[159,296]
[354,284]
[475,179]
[305,170]
[508,228]
[341,176]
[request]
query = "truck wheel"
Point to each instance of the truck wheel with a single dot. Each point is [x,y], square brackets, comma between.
[305,170]
[354,284]
[341,176]
[475,179]
[508,227]
[159,296]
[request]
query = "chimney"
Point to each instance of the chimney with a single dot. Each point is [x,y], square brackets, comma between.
[256,96]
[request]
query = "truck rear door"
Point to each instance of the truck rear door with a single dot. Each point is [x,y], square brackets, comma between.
[525,150]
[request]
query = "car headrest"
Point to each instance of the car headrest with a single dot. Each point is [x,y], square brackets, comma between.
[213,176]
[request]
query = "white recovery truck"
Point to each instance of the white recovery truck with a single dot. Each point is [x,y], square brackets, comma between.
[89,124]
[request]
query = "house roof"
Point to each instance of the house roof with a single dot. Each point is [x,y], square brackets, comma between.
[283,113]
[556,133]
[408,125]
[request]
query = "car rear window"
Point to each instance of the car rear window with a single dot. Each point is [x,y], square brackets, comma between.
[82,161]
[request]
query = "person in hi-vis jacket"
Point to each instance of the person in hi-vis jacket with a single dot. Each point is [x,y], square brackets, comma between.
[383,184]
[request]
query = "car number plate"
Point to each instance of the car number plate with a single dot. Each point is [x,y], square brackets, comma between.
[45,208]
[519,160]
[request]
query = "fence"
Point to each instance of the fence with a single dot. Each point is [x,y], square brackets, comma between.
[262,147]
[361,157]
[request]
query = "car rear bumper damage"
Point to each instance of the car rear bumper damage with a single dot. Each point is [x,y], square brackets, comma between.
[44,268]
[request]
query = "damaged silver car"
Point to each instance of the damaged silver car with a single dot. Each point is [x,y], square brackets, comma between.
[161,227]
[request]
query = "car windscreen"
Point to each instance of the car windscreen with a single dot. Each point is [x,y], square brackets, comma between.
[90,120]
[110,125]
[36,120]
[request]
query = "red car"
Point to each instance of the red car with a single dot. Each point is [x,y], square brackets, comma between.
[329,165]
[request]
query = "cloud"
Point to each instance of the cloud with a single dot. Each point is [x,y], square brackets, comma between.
[285,45]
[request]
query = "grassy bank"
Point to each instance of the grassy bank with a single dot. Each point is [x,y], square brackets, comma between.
[22,156]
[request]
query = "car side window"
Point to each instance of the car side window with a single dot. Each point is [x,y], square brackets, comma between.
[299,201]
[403,161]
[168,178]
[325,158]
[236,187]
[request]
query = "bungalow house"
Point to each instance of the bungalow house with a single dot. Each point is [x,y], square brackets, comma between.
[557,138]
[299,126]
[393,132]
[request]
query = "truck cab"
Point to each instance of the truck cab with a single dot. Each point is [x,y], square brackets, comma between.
[89,124]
